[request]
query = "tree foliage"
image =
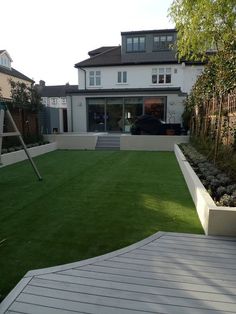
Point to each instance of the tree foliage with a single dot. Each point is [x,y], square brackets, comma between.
[204,25]
[25,97]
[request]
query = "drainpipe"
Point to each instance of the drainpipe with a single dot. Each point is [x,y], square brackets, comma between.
[85,78]
[71,106]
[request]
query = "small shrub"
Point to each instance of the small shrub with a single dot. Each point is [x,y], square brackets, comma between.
[221,190]
[219,185]
[225,200]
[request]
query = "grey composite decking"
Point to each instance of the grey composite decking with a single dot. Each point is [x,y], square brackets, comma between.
[165,273]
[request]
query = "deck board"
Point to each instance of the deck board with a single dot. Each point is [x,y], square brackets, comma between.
[168,273]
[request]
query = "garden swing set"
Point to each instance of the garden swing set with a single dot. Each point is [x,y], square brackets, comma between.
[5,111]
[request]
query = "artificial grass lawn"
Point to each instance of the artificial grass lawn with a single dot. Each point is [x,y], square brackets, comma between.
[89,203]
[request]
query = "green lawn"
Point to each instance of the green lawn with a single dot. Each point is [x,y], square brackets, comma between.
[89,203]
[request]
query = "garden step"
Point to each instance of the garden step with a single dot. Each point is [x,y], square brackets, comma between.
[108,142]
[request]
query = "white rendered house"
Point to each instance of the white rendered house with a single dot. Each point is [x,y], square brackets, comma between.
[142,76]
[53,116]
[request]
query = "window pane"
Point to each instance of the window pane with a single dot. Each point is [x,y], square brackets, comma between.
[154,79]
[132,109]
[169,38]
[98,72]
[91,81]
[135,44]
[168,70]
[163,42]
[96,115]
[154,71]
[98,80]
[156,42]
[141,43]
[129,44]
[161,78]
[91,72]
[119,77]
[168,78]
[155,106]
[161,71]
[124,77]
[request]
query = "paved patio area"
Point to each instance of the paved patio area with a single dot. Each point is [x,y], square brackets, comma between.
[165,273]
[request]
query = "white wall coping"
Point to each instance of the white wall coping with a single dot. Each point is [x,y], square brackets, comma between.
[216,220]
[20,155]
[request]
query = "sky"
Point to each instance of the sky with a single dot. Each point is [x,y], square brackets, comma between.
[46,38]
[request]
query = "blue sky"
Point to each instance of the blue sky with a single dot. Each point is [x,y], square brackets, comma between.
[45,38]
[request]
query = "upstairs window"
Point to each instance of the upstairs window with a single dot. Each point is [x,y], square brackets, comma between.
[53,101]
[162,42]
[161,76]
[94,78]
[135,44]
[63,100]
[122,77]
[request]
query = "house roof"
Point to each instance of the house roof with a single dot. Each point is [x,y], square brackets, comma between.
[110,56]
[56,90]
[113,55]
[13,72]
[99,50]
[153,31]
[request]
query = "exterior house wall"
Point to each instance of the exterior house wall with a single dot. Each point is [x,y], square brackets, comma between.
[77,113]
[5,85]
[140,76]
[77,116]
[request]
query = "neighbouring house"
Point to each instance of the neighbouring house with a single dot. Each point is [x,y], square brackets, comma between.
[26,121]
[53,117]
[119,83]
[7,72]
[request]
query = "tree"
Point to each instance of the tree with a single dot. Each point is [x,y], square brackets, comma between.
[203,25]
[26,99]
[207,31]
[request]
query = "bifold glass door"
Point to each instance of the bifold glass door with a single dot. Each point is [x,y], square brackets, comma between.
[96,115]
[114,115]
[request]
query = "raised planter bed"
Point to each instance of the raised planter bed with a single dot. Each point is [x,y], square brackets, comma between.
[216,220]
[20,155]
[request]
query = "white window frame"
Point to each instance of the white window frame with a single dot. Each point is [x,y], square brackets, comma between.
[95,78]
[122,77]
[162,76]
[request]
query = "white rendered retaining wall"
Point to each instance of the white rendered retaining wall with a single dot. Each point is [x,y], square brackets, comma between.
[127,141]
[74,140]
[20,155]
[151,142]
[216,220]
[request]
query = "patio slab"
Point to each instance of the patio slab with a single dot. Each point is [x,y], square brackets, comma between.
[166,273]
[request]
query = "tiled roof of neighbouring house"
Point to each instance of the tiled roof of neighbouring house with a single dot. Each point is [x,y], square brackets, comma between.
[56,90]
[100,50]
[108,57]
[13,72]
